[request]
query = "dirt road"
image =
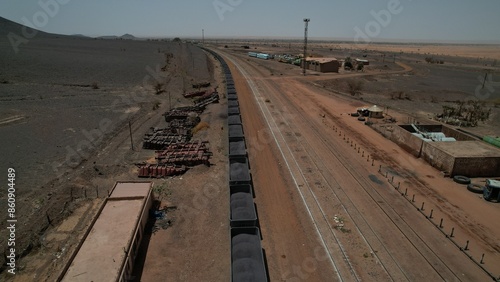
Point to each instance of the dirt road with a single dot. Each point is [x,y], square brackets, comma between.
[367,228]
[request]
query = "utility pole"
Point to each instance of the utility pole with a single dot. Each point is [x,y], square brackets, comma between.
[169,101]
[306,21]
[130,131]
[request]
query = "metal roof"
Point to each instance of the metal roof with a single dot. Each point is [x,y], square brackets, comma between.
[493,183]
[322,60]
[375,108]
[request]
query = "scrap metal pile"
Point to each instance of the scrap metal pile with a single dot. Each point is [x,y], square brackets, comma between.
[174,150]
[160,171]
[190,154]
[183,113]
[199,93]
[206,99]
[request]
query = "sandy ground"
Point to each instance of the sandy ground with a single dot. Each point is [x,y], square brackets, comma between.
[196,246]
[72,142]
[484,53]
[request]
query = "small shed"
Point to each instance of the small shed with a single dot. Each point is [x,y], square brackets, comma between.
[375,112]
[323,64]
[362,61]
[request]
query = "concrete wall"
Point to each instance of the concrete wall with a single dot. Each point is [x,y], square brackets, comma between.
[437,157]
[450,132]
[401,137]
[477,167]
[332,66]
[429,151]
[424,127]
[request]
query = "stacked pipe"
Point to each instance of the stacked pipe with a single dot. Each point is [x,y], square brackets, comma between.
[247,255]
[207,99]
[182,113]
[160,170]
[174,150]
[188,154]
[161,139]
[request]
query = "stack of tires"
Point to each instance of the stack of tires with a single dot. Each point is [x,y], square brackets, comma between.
[472,187]
[247,255]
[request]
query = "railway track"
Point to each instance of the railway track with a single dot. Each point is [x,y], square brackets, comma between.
[320,211]
[376,198]
[317,215]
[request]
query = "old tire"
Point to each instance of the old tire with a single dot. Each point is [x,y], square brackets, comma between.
[461,179]
[355,115]
[475,188]
[361,119]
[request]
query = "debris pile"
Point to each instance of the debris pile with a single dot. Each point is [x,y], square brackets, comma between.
[203,101]
[160,170]
[175,152]
[188,154]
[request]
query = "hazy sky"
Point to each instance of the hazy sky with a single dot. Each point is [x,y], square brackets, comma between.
[458,20]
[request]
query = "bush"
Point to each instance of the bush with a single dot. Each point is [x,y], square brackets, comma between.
[354,86]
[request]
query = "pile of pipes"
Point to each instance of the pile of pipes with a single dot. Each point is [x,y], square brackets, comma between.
[204,100]
[175,151]
[161,138]
[160,170]
[185,154]
[183,113]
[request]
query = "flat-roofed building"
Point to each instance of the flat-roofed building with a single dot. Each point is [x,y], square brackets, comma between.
[108,249]
[323,64]
[362,61]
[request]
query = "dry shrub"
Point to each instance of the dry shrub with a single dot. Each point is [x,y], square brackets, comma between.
[200,126]
[354,86]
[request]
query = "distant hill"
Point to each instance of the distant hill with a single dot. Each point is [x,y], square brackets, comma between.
[79,35]
[125,36]
[108,37]
[128,36]
[8,26]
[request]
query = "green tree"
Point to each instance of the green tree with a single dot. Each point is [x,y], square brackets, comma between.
[348,63]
